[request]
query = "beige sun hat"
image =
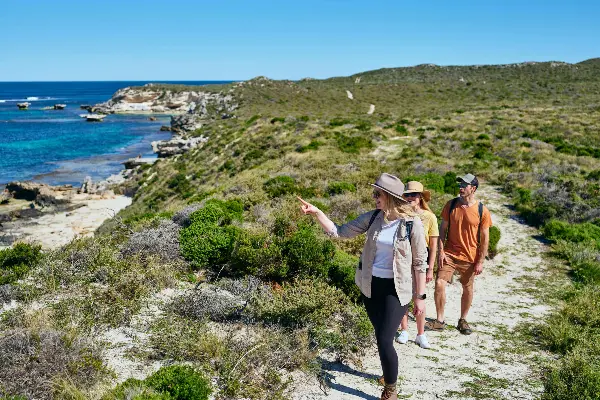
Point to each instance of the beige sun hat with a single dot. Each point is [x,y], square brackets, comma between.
[390,184]
[417,187]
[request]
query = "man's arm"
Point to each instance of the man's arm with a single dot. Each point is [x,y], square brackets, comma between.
[482,249]
[442,239]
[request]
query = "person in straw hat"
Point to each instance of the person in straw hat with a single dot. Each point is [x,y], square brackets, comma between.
[416,195]
[394,248]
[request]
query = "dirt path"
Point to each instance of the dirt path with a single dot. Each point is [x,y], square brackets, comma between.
[476,366]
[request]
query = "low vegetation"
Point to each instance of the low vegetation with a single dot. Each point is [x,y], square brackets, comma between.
[260,291]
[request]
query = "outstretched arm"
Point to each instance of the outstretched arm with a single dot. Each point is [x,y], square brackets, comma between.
[325,222]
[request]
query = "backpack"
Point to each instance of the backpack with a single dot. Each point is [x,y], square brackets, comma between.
[453,204]
[409,225]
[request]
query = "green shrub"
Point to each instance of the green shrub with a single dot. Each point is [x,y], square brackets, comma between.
[595,175]
[181,185]
[209,240]
[401,129]
[307,253]
[483,136]
[576,376]
[338,122]
[363,126]
[15,262]
[252,120]
[313,145]
[560,230]
[176,382]
[494,239]
[340,187]
[259,255]
[280,186]
[277,119]
[447,129]
[353,144]
[341,274]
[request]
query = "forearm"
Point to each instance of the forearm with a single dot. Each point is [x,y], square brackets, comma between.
[482,250]
[325,222]
[420,280]
[433,246]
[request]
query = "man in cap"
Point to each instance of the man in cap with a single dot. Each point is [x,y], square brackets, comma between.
[464,238]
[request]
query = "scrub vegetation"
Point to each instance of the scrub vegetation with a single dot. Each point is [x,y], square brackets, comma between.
[260,291]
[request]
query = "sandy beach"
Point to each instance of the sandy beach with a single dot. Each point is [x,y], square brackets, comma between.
[53,230]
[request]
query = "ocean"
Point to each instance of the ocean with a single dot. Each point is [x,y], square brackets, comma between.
[59,147]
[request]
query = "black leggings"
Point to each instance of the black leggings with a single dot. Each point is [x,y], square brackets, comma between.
[385,313]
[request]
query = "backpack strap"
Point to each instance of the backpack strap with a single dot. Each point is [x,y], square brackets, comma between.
[409,226]
[453,203]
[480,220]
[375,214]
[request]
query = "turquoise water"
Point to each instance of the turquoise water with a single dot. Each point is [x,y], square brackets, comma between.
[58,146]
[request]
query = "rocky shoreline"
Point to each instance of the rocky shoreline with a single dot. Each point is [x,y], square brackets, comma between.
[54,215]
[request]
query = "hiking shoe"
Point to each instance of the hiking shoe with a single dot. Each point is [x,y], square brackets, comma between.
[402,337]
[435,325]
[389,392]
[421,340]
[463,327]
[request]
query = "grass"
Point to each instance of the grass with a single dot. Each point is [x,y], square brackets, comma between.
[531,129]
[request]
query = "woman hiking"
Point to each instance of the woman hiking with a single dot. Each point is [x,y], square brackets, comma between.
[394,247]
[416,195]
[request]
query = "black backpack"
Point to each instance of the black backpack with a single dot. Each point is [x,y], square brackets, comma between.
[453,204]
[409,225]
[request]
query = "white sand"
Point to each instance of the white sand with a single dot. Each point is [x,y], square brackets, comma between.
[57,229]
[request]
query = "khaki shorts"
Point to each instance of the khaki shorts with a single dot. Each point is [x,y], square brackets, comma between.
[466,270]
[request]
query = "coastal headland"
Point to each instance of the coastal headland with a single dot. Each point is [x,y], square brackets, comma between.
[212,273]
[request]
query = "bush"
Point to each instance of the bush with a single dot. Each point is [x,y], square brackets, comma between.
[401,129]
[353,144]
[208,245]
[277,119]
[32,361]
[207,303]
[280,186]
[15,262]
[176,382]
[260,255]
[494,239]
[313,145]
[308,254]
[340,187]
[338,122]
[577,376]
[585,232]
[341,274]
[162,241]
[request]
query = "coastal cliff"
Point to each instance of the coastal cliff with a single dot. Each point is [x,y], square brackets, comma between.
[169,99]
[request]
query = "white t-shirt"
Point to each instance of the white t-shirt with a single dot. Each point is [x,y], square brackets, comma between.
[384,253]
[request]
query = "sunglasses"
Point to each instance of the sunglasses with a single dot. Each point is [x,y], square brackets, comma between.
[463,184]
[411,194]
[377,194]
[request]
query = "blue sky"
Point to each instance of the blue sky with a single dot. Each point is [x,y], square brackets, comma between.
[213,40]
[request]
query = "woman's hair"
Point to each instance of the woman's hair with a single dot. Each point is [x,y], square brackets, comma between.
[402,208]
[423,204]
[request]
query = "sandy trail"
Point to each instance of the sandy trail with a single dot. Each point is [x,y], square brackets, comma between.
[460,366]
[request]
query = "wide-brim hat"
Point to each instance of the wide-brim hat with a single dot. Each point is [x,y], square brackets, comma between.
[391,185]
[417,187]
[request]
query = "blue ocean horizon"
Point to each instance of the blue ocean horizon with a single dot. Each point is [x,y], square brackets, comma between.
[58,146]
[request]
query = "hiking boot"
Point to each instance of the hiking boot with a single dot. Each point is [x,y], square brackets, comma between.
[421,340]
[435,325]
[401,337]
[463,327]
[389,392]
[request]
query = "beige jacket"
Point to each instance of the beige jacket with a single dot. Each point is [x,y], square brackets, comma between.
[407,253]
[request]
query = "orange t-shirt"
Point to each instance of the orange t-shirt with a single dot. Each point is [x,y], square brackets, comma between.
[461,238]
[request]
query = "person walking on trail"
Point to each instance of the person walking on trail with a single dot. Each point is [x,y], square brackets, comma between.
[416,195]
[394,247]
[464,238]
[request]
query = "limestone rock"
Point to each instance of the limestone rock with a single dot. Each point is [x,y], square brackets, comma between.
[178,145]
[40,193]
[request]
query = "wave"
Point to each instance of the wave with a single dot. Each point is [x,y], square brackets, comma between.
[33,98]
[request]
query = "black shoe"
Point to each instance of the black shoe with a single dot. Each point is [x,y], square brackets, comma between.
[463,327]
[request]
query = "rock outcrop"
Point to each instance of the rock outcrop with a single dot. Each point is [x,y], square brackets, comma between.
[163,99]
[177,145]
[41,194]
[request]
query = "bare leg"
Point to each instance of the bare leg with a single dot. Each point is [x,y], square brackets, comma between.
[421,323]
[440,298]
[466,300]
[404,323]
